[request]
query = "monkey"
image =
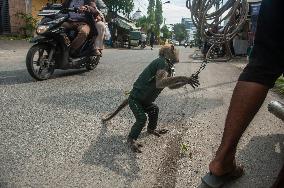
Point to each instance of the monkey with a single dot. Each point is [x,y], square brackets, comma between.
[153,79]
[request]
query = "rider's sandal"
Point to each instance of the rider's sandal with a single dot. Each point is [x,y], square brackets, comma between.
[213,181]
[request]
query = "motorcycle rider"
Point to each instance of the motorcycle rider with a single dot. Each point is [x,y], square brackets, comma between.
[81,21]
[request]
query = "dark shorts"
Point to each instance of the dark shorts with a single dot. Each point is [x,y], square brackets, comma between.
[266,62]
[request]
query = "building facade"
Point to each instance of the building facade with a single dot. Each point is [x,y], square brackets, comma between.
[189,27]
[9,22]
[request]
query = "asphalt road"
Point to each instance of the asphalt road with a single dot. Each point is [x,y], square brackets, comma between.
[51,134]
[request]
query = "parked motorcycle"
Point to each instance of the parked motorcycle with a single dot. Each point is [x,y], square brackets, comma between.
[52,45]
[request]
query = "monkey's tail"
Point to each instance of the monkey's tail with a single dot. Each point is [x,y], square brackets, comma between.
[119,108]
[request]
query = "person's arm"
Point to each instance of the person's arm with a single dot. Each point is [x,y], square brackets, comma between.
[162,80]
[178,85]
[91,8]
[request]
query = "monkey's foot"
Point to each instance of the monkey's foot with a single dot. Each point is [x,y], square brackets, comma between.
[157,133]
[134,145]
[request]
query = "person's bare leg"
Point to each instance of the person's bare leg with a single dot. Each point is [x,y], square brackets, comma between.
[246,100]
[99,42]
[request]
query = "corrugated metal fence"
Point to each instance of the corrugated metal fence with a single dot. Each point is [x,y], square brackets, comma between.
[4,17]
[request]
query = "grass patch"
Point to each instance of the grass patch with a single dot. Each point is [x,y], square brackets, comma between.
[14,37]
[279,86]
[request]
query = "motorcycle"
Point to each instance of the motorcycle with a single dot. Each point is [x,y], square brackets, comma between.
[185,44]
[52,45]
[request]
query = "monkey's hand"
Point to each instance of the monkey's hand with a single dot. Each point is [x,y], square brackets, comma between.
[134,145]
[193,81]
[157,133]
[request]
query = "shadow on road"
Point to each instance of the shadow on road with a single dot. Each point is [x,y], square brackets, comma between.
[262,159]
[112,153]
[99,101]
[106,101]
[16,77]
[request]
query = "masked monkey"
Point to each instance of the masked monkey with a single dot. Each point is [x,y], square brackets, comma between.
[155,77]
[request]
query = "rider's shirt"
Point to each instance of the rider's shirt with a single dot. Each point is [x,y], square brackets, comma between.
[143,37]
[144,89]
[76,17]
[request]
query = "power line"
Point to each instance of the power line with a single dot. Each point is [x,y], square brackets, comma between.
[144,7]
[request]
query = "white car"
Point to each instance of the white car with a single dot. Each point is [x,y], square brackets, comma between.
[176,43]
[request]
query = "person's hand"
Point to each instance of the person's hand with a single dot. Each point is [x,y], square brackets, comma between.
[83,9]
[193,81]
[99,18]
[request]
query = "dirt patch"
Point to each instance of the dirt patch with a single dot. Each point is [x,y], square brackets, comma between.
[169,166]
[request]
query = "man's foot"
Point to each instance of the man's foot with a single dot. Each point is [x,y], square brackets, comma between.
[220,166]
[214,181]
[101,52]
[96,53]
[135,147]
[157,133]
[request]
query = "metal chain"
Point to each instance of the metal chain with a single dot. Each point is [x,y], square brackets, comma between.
[201,68]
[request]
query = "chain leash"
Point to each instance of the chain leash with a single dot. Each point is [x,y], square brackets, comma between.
[201,68]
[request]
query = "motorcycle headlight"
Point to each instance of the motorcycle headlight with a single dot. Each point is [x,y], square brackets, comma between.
[42,29]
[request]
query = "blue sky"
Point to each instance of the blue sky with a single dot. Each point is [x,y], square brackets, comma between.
[173,12]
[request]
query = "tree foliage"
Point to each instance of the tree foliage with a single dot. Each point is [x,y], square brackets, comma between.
[154,18]
[122,6]
[151,12]
[159,12]
[166,33]
[158,16]
[180,32]
[197,39]
[143,22]
[30,23]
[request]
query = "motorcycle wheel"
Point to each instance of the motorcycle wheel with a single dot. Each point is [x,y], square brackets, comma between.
[37,62]
[93,62]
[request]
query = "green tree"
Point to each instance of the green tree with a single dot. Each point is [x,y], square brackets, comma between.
[151,12]
[143,22]
[122,6]
[158,17]
[180,32]
[197,39]
[166,33]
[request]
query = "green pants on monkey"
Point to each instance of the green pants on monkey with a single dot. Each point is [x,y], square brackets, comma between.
[140,110]
[155,77]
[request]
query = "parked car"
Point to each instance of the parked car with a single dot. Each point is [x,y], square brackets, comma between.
[176,43]
[134,39]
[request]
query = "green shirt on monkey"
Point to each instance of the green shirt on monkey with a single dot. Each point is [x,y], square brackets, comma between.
[145,89]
